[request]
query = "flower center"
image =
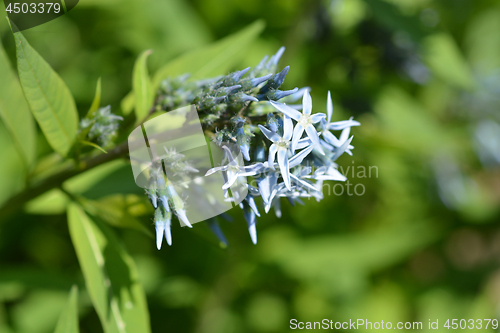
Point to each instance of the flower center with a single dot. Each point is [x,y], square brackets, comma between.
[282,143]
[305,120]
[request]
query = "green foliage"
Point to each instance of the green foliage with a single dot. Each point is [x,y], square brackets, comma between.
[417,74]
[212,60]
[49,98]
[15,113]
[110,275]
[143,90]
[68,321]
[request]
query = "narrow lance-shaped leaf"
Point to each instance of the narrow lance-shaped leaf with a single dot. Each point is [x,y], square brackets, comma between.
[15,112]
[141,84]
[110,275]
[68,321]
[48,96]
[212,60]
[93,109]
[97,99]
[207,61]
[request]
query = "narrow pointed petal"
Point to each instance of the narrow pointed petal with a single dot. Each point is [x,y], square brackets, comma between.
[168,233]
[284,168]
[298,158]
[303,143]
[302,183]
[232,177]
[281,76]
[326,145]
[245,150]
[216,169]
[313,135]
[306,103]
[285,109]
[279,94]
[255,82]
[251,203]
[345,134]
[272,154]
[287,127]
[164,203]
[276,57]
[160,229]
[154,202]
[340,125]
[272,136]
[329,108]
[340,150]
[331,139]
[297,134]
[181,214]
[252,230]
[317,117]
[252,168]
[245,98]
[228,154]
[238,75]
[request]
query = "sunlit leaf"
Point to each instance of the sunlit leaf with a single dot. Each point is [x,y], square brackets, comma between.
[15,112]
[117,211]
[211,60]
[49,98]
[97,98]
[446,61]
[141,84]
[68,321]
[110,275]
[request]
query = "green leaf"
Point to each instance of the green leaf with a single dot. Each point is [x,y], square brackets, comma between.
[127,103]
[110,275]
[15,112]
[141,84]
[447,62]
[116,210]
[97,99]
[68,321]
[48,96]
[211,60]
[91,144]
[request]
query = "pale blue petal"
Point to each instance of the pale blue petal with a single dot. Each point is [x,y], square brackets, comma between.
[317,117]
[340,150]
[297,134]
[287,127]
[272,154]
[181,214]
[339,125]
[306,103]
[168,233]
[160,229]
[298,158]
[272,136]
[331,139]
[285,109]
[313,135]
[329,107]
[283,163]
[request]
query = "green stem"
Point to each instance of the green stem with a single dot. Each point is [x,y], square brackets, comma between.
[16,202]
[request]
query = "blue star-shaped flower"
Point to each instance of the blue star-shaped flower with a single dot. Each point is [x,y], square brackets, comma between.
[305,120]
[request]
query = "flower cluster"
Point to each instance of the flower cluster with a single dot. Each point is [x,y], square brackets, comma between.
[101,127]
[288,151]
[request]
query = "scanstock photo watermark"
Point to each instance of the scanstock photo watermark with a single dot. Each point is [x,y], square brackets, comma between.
[365,324]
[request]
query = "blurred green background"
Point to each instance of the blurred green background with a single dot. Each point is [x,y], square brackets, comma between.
[422,242]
